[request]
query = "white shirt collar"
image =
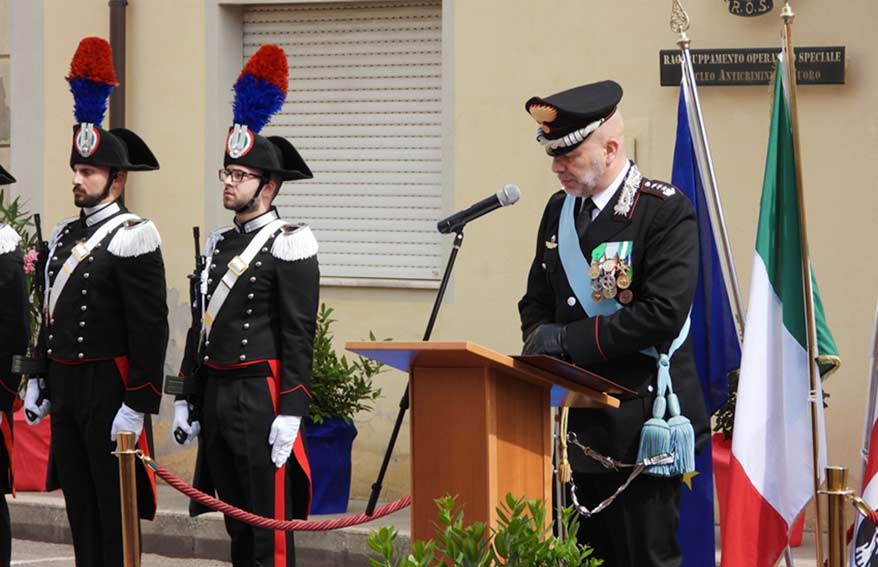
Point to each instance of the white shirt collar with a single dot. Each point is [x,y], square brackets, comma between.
[602,197]
[257,222]
[94,215]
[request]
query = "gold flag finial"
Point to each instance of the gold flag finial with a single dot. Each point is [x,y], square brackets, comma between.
[787,13]
[679,18]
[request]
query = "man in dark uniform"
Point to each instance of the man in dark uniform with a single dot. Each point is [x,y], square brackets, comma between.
[610,289]
[260,293]
[14,331]
[107,328]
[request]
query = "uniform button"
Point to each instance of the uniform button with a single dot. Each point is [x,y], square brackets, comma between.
[82,307]
[249,296]
[252,279]
[91,258]
[242,358]
[98,245]
[222,237]
[571,301]
[243,342]
[543,265]
[79,339]
[54,257]
[48,351]
[246,326]
[51,273]
[216,251]
[258,264]
[210,280]
[249,312]
[206,358]
[82,323]
[84,292]
[80,355]
[60,243]
[213,266]
[206,343]
[264,249]
[207,296]
[86,275]
[67,231]
[649,388]
[51,337]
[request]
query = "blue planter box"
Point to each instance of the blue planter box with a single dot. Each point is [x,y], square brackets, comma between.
[329,452]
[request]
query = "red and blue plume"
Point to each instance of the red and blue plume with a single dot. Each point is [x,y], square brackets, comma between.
[91,79]
[261,88]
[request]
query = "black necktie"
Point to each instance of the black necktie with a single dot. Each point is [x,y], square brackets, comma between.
[583,219]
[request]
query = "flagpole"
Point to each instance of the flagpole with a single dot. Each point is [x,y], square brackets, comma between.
[788,16]
[704,160]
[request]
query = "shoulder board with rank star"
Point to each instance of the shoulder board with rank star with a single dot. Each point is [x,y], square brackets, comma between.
[135,238]
[59,228]
[658,189]
[9,239]
[294,243]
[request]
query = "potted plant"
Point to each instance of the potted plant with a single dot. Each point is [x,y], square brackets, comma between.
[340,389]
[522,539]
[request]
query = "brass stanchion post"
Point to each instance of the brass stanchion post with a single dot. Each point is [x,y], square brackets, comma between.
[125,451]
[837,493]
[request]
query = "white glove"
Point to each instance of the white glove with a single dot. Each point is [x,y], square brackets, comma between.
[283,434]
[30,402]
[127,420]
[181,422]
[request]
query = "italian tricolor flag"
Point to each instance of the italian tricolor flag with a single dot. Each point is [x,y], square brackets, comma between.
[771,473]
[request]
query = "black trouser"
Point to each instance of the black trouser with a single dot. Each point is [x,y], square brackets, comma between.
[85,399]
[237,417]
[638,528]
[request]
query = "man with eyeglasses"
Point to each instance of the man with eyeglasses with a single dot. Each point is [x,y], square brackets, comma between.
[253,367]
[106,322]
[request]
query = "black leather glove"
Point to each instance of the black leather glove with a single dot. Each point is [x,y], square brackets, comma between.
[548,338]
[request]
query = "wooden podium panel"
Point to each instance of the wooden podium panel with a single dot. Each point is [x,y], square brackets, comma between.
[480,425]
[476,434]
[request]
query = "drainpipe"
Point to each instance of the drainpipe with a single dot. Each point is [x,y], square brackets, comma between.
[117,41]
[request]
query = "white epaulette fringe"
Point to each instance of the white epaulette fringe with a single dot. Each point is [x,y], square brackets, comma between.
[135,239]
[9,239]
[294,243]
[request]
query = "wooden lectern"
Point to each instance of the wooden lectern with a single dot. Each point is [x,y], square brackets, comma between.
[480,425]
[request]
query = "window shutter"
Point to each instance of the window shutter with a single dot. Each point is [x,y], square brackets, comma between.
[364,109]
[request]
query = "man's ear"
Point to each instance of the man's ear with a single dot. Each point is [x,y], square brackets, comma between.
[612,149]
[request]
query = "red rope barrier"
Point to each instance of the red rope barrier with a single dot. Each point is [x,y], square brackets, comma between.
[271,523]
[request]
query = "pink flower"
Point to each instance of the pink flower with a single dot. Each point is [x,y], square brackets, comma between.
[30,261]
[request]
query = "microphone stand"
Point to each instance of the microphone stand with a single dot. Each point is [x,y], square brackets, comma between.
[404,402]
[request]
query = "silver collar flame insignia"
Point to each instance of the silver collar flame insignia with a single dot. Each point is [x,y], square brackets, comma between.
[240,141]
[87,139]
[629,189]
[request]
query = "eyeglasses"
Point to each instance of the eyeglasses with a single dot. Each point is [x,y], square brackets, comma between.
[236,175]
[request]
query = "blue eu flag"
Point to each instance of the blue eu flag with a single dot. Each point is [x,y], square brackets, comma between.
[716,347]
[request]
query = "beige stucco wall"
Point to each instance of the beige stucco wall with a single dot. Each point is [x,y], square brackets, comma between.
[500,52]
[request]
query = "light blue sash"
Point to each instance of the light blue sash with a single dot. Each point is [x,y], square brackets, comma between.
[576,269]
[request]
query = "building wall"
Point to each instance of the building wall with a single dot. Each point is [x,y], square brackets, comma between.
[499,53]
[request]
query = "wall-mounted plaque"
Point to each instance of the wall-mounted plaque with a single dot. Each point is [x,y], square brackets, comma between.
[749,8]
[725,67]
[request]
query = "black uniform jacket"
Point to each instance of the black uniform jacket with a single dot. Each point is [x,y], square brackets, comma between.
[661,224]
[14,329]
[271,311]
[114,304]
[14,322]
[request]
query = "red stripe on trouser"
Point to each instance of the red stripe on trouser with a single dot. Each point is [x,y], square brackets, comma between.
[280,541]
[755,534]
[142,441]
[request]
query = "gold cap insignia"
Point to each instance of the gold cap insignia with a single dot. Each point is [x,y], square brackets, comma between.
[543,114]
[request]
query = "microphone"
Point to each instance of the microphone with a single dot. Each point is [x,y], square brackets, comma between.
[509,195]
